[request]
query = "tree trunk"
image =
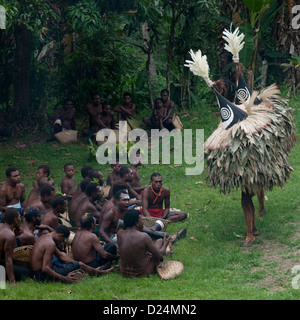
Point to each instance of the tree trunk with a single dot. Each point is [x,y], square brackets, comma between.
[150,67]
[21,77]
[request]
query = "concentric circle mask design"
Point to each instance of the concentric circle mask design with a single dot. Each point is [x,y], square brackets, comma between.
[225,113]
[243,93]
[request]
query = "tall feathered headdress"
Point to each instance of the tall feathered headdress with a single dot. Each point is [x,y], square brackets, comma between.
[230,113]
[234,44]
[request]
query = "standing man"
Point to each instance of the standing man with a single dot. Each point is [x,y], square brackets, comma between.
[153,199]
[12,192]
[169,106]
[138,254]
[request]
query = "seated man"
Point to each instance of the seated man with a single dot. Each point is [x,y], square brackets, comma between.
[136,183]
[153,198]
[31,223]
[86,246]
[127,177]
[12,220]
[45,268]
[157,116]
[63,119]
[110,219]
[114,176]
[127,109]
[89,204]
[94,109]
[58,206]
[79,195]
[43,171]
[139,256]
[169,105]
[42,202]
[106,118]
[12,192]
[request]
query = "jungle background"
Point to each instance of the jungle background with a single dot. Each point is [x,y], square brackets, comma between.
[51,50]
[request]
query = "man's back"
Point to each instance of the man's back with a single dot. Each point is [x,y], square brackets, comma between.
[82,246]
[43,244]
[73,204]
[133,248]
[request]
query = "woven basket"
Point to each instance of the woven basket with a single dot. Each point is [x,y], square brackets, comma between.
[169,269]
[149,222]
[22,255]
[67,136]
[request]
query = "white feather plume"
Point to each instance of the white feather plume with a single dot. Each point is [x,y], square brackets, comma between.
[234,43]
[199,66]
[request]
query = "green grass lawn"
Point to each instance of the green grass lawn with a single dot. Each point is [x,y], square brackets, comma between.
[216,265]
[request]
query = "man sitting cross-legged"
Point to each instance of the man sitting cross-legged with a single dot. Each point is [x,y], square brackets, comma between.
[153,198]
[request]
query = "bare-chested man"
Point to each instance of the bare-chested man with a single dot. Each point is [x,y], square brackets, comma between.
[32,222]
[43,202]
[114,176]
[12,220]
[79,195]
[136,181]
[94,110]
[110,219]
[12,192]
[58,206]
[43,171]
[97,176]
[139,256]
[153,199]
[34,194]
[86,246]
[127,109]
[127,177]
[44,267]
[89,204]
[169,105]
[7,241]
[106,118]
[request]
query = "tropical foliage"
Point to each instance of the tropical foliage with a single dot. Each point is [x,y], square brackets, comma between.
[53,49]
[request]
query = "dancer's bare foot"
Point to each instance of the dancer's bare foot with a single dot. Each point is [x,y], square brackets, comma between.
[261,212]
[248,242]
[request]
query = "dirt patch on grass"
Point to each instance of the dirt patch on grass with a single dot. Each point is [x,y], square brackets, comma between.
[277,263]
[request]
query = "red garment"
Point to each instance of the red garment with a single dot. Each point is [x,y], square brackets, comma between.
[154,212]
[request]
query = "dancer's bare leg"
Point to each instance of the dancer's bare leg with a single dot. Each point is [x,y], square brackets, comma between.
[261,202]
[249,214]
